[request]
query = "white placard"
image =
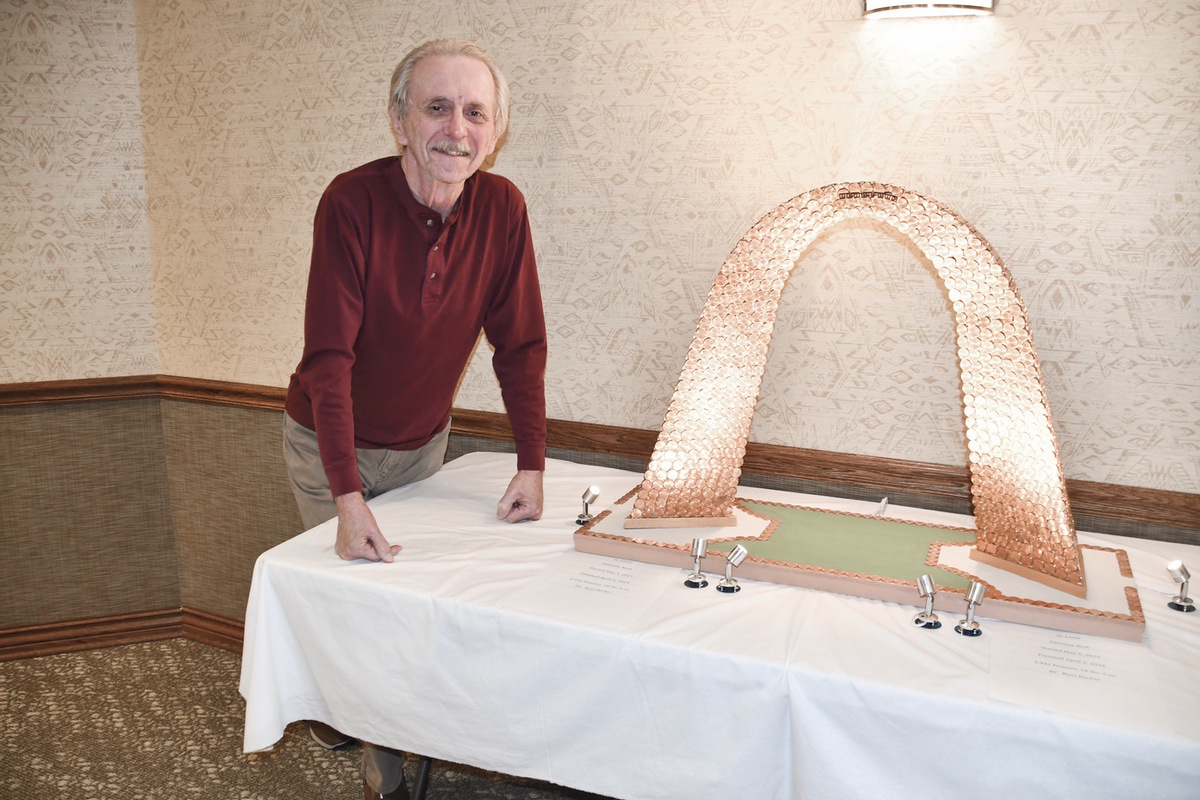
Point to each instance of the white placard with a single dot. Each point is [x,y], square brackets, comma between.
[599,590]
[1092,677]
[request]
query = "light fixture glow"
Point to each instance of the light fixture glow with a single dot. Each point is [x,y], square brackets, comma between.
[887,9]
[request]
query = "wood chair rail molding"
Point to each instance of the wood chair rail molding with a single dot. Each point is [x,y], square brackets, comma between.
[1088,498]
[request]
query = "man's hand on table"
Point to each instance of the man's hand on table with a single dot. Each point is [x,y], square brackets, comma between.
[523,500]
[358,534]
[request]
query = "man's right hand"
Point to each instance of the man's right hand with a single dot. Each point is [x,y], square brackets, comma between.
[358,534]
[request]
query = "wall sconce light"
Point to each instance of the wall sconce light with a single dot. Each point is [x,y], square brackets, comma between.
[885,9]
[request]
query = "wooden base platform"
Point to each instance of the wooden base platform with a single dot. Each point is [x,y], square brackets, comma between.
[881,559]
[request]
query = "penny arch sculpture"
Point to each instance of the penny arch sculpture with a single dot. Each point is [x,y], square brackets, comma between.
[1022,516]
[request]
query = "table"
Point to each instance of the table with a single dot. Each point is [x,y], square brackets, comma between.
[499,646]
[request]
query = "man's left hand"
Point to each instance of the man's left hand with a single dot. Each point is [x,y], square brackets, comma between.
[523,500]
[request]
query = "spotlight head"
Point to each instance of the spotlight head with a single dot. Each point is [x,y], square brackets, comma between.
[589,496]
[699,547]
[737,555]
[975,593]
[1178,571]
[925,586]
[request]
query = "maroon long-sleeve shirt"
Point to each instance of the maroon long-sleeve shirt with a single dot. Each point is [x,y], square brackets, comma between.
[396,301]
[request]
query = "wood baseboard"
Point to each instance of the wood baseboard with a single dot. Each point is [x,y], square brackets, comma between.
[209,629]
[1108,501]
[90,634]
[72,636]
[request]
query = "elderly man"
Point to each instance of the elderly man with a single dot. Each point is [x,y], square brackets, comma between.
[412,257]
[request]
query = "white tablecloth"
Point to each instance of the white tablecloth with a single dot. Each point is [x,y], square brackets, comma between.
[485,644]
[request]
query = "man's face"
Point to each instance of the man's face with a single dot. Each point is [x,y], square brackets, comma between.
[450,127]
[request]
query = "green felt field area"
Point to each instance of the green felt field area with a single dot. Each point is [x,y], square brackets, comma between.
[862,545]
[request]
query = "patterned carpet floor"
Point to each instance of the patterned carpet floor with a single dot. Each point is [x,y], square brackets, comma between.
[163,720]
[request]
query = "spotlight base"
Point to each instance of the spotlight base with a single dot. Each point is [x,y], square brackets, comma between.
[968,629]
[695,582]
[1182,604]
[583,519]
[927,621]
[728,586]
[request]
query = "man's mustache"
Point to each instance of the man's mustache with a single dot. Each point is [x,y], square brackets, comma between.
[454,149]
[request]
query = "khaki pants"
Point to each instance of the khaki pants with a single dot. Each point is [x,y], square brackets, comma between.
[380,471]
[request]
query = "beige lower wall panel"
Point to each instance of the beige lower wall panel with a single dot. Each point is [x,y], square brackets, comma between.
[85,528]
[123,506]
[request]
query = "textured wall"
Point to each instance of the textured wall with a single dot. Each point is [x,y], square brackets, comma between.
[229,498]
[76,297]
[649,136]
[123,506]
[86,527]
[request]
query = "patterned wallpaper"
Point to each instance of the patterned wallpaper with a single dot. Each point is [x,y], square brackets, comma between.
[647,138]
[76,296]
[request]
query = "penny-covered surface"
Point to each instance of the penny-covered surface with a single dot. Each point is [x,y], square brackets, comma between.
[1017,484]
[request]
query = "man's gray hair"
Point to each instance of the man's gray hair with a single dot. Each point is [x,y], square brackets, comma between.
[401,88]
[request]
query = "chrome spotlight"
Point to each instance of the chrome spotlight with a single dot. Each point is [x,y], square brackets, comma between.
[696,580]
[1179,572]
[927,619]
[729,584]
[969,627]
[589,496]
